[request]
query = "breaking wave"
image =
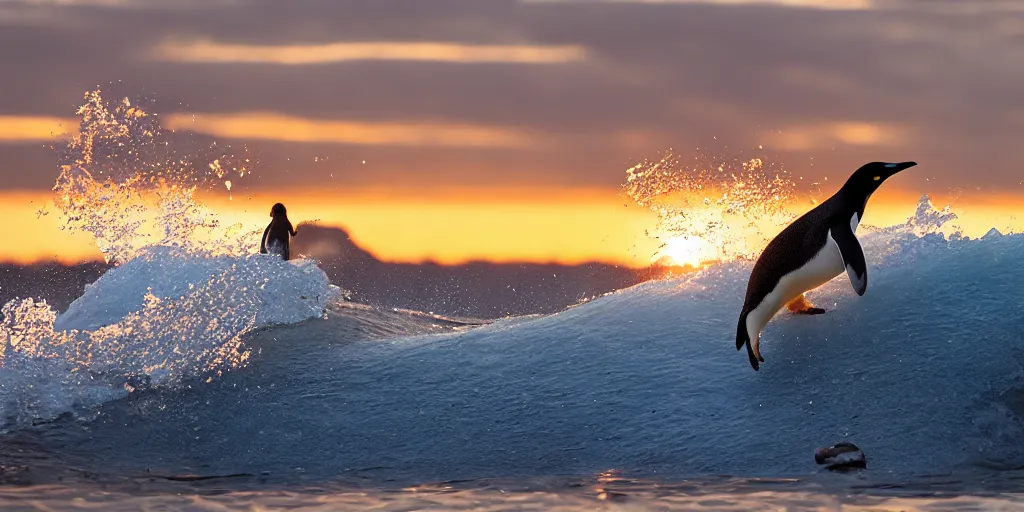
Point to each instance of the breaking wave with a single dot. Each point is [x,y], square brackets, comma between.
[185,289]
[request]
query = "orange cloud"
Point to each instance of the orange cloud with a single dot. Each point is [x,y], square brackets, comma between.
[825,135]
[35,128]
[207,51]
[270,126]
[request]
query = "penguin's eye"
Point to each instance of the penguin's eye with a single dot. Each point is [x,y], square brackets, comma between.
[877,178]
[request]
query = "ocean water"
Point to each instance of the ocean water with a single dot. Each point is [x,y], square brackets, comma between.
[204,377]
[638,397]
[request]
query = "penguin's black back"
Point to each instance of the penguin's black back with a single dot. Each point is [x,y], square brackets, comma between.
[791,249]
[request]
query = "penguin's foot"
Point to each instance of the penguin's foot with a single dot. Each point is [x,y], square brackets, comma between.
[801,306]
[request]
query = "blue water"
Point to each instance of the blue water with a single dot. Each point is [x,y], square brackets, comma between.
[923,373]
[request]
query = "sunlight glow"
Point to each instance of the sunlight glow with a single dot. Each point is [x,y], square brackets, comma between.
[271,126]
[683,251]
[35,128]
[207,51]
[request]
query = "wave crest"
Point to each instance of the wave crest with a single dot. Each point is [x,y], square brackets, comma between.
[161,319]
[131,185]
[184,291]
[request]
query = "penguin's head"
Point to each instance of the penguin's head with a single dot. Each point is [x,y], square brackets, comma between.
[278,210]
[867,179]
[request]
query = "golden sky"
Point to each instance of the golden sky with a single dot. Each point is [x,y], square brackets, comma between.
[455,226]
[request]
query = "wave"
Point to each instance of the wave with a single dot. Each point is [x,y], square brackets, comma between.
[923,373]
[919,373]
[161,319]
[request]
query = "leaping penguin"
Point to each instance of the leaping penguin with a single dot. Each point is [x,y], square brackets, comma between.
[807,254]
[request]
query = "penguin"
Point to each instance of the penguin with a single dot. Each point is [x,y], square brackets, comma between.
[811,251]
[275,237]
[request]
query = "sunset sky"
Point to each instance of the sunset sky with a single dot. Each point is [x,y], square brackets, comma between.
[501,129]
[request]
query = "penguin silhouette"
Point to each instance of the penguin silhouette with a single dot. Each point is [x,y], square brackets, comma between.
[275,237]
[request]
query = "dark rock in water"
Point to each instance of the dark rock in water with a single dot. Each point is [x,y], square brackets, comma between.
[841,457]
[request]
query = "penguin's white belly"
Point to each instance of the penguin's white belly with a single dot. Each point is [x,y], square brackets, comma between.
[825,265]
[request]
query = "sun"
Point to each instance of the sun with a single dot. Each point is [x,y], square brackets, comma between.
[685,250]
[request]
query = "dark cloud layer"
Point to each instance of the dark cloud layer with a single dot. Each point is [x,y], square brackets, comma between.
[940,80]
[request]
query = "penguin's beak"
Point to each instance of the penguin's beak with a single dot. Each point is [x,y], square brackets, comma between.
[897,167]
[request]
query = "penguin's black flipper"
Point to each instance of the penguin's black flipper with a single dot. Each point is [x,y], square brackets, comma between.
[741,332]
[853,257]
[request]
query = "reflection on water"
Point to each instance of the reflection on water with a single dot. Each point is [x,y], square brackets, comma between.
[606,491]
